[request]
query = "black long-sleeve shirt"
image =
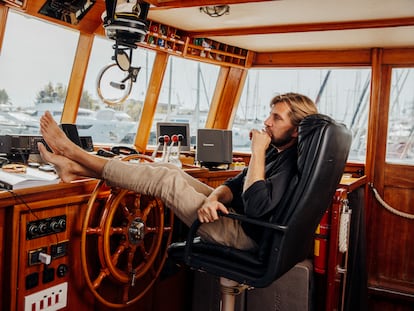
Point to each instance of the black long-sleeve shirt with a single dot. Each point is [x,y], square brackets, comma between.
[262,198]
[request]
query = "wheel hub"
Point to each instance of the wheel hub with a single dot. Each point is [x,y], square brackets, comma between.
[136,231]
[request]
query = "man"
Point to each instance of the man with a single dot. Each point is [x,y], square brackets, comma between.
[255,192]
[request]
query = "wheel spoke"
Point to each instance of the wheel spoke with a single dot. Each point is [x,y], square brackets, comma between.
[118,230]
[117,253]
[103,274]
[148,209]
[96,231]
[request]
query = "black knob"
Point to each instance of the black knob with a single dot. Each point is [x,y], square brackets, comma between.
[62,270]
[42,228]
[33,230]
[62,223]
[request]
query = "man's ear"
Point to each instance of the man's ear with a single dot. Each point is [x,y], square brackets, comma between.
[295,132]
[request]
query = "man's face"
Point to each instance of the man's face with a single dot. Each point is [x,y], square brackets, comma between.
[279,127]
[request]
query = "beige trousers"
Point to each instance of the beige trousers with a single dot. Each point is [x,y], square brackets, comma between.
[180,192]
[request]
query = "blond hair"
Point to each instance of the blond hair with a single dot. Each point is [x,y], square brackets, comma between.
[300,106]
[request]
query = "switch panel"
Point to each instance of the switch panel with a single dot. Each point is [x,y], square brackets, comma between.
[42,227]
[49,299]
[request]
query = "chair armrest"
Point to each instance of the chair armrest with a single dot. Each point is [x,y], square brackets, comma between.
[253,221]
[243,218]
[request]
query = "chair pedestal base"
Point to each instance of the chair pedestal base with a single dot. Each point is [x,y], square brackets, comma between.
[229,290]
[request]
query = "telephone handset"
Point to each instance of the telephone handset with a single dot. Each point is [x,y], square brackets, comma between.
[116,150]
[124,150]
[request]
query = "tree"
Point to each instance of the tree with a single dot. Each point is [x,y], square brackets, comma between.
[87,101]
[134,108]
[4,97]
[51,94]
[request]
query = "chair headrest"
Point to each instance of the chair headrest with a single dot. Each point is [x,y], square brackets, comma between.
[323,146]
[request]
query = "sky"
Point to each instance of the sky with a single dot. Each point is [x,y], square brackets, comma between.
[23,58]
[29,61]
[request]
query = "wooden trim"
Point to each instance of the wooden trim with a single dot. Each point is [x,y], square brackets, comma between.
[3,21]
[373,117]
[307,27]
[166,4]
[383,106]
[239,92]
[151,100]
[360,57]
[215,102]
[229,97]
[399,56]
[75,87]
[372,138]
[390,292]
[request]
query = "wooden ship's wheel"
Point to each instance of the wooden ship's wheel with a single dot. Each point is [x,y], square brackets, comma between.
[124,243]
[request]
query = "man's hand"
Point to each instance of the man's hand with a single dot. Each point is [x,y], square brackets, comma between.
[208,212]
[260,140]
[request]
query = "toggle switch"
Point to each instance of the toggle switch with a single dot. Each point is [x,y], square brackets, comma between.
[45,258]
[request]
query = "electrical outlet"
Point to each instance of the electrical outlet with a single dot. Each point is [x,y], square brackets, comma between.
[50,299]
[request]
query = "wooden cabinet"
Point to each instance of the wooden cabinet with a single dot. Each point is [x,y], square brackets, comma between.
[165,38]
[215,52]
[168,39]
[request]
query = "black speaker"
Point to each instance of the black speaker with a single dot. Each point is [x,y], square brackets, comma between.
[71,131]
[214,147]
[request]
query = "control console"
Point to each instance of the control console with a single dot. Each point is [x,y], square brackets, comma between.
[26,144]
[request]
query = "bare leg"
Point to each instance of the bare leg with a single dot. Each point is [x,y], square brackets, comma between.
[60,144]
[67,169]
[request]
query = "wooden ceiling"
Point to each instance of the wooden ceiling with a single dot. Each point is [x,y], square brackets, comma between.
[284,25]
[281,25]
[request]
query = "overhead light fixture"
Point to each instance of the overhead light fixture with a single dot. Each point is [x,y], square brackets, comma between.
[216,10]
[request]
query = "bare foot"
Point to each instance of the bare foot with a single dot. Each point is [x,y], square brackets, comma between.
[67,169]
[55,138]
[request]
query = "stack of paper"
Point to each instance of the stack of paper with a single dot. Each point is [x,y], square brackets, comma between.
[33,177]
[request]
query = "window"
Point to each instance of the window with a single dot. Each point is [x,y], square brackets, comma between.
[342,94]
[35,71]
[105,123]
[400,141]
[185,96]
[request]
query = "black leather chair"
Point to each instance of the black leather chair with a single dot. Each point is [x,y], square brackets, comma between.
[323,147]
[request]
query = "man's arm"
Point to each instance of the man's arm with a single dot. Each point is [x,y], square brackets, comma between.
[256,171]
[215,202]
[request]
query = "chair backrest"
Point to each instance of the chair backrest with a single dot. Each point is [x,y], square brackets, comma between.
[323,148]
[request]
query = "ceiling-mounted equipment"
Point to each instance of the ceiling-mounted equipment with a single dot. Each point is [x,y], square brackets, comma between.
[215,10]
[126,23]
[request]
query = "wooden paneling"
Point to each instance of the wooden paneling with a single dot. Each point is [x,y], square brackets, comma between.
[389,236]
[401,175]
[391,266]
